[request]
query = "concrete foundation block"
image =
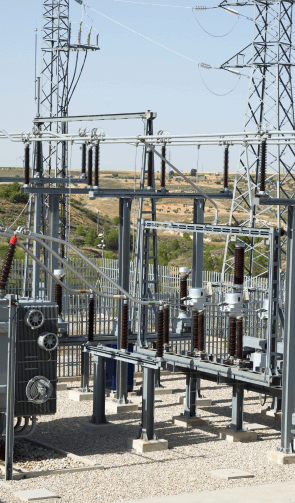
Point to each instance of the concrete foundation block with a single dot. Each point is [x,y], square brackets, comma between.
[61,386]
[36,495]
[163,391]
[237,436]
[142,446]
[189,422]
[100,429]
[80,396]
[120,408]
[231,473]
[271,414]
[280,458]
[200,402]
[134,382]
[255,426]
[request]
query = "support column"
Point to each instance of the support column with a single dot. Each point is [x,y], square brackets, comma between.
[99,384]
[237,407]
[9,431]
[124,271]
[190,395]
[198,240]
[148,403]
[84,372]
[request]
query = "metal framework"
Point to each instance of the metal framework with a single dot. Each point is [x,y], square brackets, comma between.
[269,106]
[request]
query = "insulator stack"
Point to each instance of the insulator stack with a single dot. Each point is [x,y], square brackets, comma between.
[91,319]
[183,293]
[201,333]
[96,165]
[160,336]
[225,169]
[150,168]
[239,339]
[83,169]
[38,156]
[163,172]
[7,263]
[232,336]
[195,330]
[166,324]
[27,165]
[262,166]
[124,338]
[239,265]
[58,296]
[90,166]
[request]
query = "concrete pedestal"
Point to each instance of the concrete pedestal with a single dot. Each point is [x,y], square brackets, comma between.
[237,436]
[142,446]
[271,414]
[120,408]
[189,422]
[61,386]
[200,402]
[100,429]
[280,458]
[80,396]
[163,391]
[255,426]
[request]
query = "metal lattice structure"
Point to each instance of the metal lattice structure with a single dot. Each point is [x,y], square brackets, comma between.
[269,107]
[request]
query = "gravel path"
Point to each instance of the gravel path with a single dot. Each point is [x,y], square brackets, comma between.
[184,467]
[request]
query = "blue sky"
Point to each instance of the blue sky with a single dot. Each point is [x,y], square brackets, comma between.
[131,74]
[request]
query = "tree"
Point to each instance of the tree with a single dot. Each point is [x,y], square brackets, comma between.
[193,172]
[91,237]
[81,230]
[111,240]
[116,220]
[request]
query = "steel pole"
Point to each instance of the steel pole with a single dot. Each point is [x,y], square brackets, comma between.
[99,384]
[10,394]
[148,403]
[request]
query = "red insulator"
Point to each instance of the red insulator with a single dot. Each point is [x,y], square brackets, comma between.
[239,339]
[225,171]
[150,169]
[83,167]
[183,293]
[163,171]
[239,265]
[90,166]
[27,165]
[201,333]
[195,330]
[58,296]
[160,336]
[96,165]
[166,324]
[262,166]
[124,338]
[232,336]
[91,319]
[7,263]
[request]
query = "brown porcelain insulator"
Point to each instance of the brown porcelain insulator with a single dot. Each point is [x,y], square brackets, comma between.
[150,168]
[195,330]
[91,319]
[239,339]
[183,292]
[38,156]
[166,324]
[27,165]
[96,165]
[7,263]
[262,167]
[124,340]
[232,336]
[225,170]
[83,159]
[160,336]
[90,167]
[239,265]
[163,170]
[201,332]
[58,296]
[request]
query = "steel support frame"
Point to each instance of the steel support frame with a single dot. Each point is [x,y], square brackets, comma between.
[10,394]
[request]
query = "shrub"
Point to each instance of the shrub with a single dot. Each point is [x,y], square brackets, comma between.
[91,237]
[13,194]
[116,220]
[81,230]
[111,240]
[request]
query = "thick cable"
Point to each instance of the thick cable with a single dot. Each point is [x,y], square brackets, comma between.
[211,34]
[217,94]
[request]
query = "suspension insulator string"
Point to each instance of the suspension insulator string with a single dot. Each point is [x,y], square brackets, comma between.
[239,338]
[90,167]
[27,164]
[163,171]
[232,337]
[91,318]
[7,264]
[160,336]
[124,338]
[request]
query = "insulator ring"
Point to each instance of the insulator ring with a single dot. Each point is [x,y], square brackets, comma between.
[183,292]
[58,297]
[150,168]
[225,172]
[195,330]
[83,167]
[239,339]
[163,171]
[201,334]
[90,166]
[232,337]
[166,324]
[124,338]
[96,165]
[239,265]
[91,319]
[27,165]
[160,336]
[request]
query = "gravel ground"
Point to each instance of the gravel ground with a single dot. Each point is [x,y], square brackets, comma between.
[183,468]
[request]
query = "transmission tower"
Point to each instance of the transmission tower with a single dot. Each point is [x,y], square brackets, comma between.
[263,167]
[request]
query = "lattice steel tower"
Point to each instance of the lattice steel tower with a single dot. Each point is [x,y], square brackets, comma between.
[269,107]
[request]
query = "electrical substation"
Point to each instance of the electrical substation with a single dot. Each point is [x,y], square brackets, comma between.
[234,328]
